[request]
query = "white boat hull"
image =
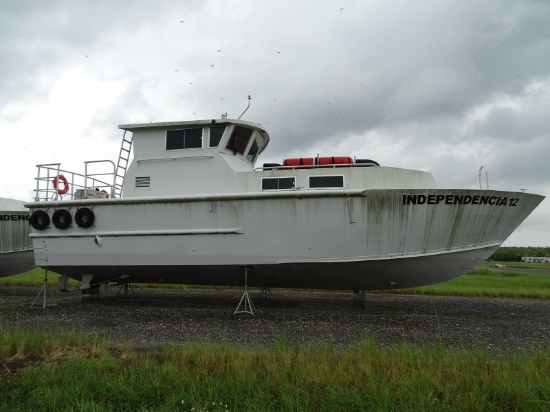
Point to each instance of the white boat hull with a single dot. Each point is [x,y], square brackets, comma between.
[371,239]
[16,253]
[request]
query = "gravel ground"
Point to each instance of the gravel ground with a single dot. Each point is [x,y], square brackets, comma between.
[154,317]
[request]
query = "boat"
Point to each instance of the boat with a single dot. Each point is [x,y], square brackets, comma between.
[16,252]
[186,204]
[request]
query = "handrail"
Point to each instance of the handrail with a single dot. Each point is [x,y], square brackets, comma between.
[315,166]
[86,176]
[80,185]
[55,167]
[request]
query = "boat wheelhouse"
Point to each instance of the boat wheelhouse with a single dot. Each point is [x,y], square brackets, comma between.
[191,207]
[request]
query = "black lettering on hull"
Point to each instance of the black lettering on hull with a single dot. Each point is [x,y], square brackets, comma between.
[14,217]
[451,199]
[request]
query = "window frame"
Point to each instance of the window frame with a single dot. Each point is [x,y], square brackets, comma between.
[210,136]
[326,187]
[184,148]
[277,178]
[256,138]
[229,140]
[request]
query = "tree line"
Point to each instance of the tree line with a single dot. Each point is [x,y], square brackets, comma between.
[514,254]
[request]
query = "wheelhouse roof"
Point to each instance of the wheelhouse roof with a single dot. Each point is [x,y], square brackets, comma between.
[196,123]
[190,123]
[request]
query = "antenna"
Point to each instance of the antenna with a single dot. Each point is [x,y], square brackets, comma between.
[249,98]
[486,178]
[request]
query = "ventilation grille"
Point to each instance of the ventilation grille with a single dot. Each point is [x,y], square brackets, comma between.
[143,182]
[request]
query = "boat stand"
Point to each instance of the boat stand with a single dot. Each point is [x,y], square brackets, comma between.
[245,304]
[359,299]
[266,293]
[125,289]
[45,291]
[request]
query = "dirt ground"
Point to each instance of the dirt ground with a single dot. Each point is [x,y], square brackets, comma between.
[155,317]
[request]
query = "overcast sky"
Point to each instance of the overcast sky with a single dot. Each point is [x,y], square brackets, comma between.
[443,86]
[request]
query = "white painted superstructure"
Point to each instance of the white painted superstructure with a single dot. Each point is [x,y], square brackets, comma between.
[195,210]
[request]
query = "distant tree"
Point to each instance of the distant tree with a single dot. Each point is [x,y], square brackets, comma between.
[514,254]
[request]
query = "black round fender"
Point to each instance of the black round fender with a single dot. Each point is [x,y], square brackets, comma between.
[39,220]
[84,217]
[62,219]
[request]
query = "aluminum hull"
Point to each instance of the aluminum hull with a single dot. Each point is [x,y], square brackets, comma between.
[16,253]
[363,274]
[359,239]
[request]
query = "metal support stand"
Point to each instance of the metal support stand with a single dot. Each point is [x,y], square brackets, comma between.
[245,304]
[266,293]
[46,291]
[359,299]
[125,288]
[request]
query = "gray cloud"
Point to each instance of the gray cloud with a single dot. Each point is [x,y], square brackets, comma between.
[441,86]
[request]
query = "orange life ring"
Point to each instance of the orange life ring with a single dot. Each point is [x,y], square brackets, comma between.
[104,191]
[65,185]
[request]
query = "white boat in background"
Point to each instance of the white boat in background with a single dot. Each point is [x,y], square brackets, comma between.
[191,208]
[16,253]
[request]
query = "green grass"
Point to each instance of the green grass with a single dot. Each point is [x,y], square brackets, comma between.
[490,283]
[34,277]
[520,265]
[67,371]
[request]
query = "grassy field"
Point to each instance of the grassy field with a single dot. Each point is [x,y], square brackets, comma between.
[491,283]
[69,372]
[524,265]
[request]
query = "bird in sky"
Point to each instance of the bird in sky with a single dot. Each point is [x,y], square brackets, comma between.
[86,55]
[181,21]
[219,50]
[212,65]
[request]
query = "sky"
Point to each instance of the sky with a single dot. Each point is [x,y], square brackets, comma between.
[437,85]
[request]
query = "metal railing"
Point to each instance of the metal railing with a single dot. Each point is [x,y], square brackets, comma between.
[55,183]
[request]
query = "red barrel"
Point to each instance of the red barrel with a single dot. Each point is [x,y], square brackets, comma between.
[335,160]
[298,161]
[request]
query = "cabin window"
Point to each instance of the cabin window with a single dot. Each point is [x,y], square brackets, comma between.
[184,139]
[239,139]
[278,183]
[254,149]
[216,134]
[316,182]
